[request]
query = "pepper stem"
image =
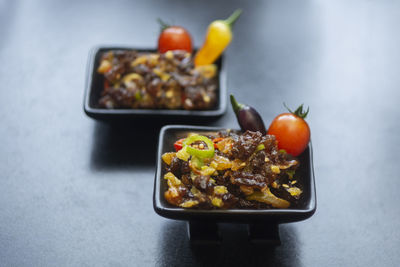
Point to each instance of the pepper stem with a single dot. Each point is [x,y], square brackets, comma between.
[235,105]
[232,18]
[163,24]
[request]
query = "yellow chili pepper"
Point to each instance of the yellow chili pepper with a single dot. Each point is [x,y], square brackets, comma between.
[219,35]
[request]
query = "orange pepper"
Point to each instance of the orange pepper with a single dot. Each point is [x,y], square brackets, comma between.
[219,35]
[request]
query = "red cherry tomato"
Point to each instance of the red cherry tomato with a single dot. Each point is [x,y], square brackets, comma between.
[174,38]
[292,133]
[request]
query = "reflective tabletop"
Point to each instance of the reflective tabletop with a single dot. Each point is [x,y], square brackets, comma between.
[78,192]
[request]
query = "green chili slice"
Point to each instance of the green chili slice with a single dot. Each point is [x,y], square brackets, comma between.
[200,153]
[260,147]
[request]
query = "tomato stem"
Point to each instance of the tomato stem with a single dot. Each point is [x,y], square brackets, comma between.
[299,111]
[163,24]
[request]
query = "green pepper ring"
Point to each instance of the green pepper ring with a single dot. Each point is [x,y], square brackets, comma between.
[206,153]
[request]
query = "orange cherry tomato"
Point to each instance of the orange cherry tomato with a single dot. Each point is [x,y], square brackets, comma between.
[291,131]
[174,38]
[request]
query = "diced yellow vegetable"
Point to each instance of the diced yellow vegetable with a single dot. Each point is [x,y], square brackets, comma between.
[194,191]
[168,175]
[167,157]
[153,59]
[206,98]
[290,164]
[182,154]
[129,78]
[247,190]
[225,145]
[172,180]
[163,76]
[275,169]
[189,203]
[169,54]
[237,164]
[206,170]
[105,66]
[139,60]
[169,94]
[295,191]
[220,163]
[290,174]
[220,189]
[267,197]
[172,193]
[217,202]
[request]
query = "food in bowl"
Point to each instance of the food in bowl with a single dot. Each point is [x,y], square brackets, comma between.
[230,170]
[145,80]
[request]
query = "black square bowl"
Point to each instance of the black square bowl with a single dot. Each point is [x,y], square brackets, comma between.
[94,87]
[306,208]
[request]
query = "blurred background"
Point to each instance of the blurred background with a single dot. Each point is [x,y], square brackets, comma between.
[77,192]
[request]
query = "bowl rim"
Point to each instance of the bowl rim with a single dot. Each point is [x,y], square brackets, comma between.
[93,111]
[282,215]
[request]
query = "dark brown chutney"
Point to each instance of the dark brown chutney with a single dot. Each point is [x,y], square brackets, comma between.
[246,171]
[144,80]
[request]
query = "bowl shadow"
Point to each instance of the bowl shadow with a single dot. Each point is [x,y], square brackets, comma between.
[121,146]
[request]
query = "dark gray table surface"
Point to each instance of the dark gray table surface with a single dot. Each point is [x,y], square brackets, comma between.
[76,192]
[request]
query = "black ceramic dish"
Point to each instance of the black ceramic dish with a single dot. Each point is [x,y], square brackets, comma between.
[202,226]
[94,87]
[305,175]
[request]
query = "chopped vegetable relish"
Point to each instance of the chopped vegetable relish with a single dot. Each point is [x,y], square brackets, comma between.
[230,170]
[144,80]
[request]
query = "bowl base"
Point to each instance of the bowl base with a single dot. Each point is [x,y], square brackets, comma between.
[208,233]
[203,232]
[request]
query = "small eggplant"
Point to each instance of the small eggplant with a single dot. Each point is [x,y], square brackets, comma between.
[248,117]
